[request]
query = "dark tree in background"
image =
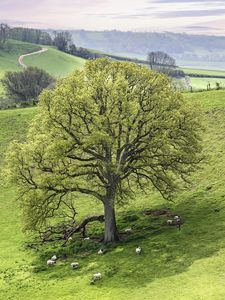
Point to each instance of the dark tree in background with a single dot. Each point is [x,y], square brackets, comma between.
[161,62]
[30,35]
[62,40]
[4,34]
[26,85]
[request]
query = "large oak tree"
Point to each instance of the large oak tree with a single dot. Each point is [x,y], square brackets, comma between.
[106,131]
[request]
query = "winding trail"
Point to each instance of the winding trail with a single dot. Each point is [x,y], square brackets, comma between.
[20,59]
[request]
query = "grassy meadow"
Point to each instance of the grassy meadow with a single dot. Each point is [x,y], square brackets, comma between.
[57,63]
[186,264]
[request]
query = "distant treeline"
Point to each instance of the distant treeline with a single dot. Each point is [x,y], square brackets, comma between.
[29,35]
[206,76]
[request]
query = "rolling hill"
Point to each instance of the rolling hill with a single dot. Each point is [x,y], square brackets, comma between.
[9,57]
[55,62]
[186,264]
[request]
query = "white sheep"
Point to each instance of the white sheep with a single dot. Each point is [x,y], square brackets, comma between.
[128,230]
[86,238]
[176,218]
[100,252]
[74,265]
[138,250]
[54,258]
[70,238]
[96,276]
[51,262]
[169,222]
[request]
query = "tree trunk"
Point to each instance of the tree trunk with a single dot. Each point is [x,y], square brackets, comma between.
[111,234]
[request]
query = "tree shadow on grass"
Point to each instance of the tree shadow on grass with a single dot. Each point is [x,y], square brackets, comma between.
[166,250]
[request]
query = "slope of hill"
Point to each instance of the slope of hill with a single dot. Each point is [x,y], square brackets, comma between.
[9,57]
[186,264]
[53,61]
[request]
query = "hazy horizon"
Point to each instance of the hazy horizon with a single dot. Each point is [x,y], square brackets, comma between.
[190,16]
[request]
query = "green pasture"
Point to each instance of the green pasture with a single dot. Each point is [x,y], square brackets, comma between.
[183,265]
[57,63]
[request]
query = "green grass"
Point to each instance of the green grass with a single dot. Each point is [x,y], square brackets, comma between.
[203,72]
[55,62]
[201,83]
[186,264]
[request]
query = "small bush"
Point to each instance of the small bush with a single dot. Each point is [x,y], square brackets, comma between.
[28,84]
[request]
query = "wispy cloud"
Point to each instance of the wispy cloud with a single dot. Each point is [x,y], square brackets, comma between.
[215,2]
[114,14]
[191,13]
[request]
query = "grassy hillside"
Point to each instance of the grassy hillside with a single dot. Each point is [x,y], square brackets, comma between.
[55,62]
[186,264]
[9,57]
[203,71]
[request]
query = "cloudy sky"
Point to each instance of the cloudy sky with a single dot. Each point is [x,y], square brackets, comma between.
[192,16]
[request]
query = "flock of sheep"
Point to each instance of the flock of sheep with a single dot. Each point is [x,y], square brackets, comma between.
[175,221]
[97,276]
[75,265]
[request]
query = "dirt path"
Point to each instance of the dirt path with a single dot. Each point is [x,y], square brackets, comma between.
[20,59]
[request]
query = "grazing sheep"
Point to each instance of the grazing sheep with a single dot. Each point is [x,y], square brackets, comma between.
[54,257]
[169,222]
[97,276]
[138,250]
[128,230]
[74,265]
[51,262]
[176,217]
[70,238]
[100,252]
[86,239]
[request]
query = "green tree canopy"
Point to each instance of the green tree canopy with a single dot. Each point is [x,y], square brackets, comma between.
[106,131]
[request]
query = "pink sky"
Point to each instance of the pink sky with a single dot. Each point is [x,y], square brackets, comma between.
[193,16]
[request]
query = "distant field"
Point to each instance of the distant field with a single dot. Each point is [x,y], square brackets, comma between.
[203,72]
[201,83]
